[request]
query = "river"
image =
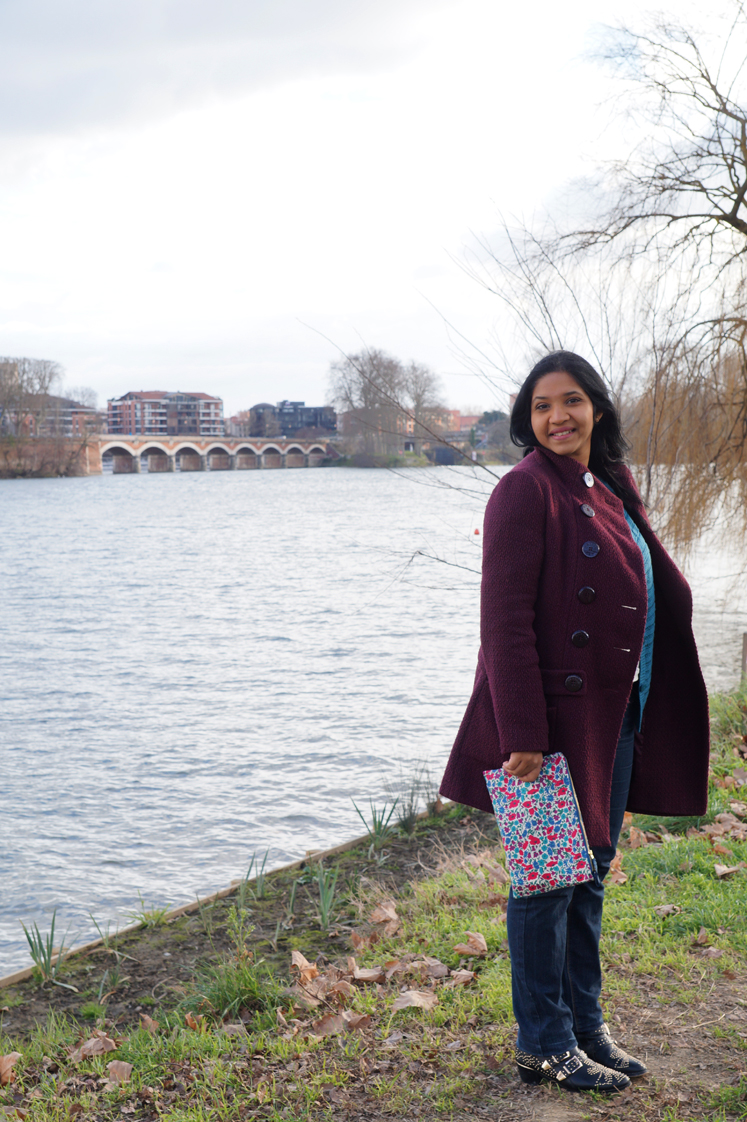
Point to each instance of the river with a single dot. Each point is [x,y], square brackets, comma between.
[203,666]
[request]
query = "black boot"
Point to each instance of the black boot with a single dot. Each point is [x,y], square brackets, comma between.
[600,1046]
[572,1070]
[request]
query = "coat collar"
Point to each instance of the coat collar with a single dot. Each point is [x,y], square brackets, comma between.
[573,475]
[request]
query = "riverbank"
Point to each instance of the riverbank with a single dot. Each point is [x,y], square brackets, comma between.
[377,984]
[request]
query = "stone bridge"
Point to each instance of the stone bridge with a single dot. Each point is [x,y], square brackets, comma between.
[184,453]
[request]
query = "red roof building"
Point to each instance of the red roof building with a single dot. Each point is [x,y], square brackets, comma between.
[159,413]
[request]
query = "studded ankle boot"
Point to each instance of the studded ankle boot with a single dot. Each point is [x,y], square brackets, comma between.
[600,1046]
[572,1070]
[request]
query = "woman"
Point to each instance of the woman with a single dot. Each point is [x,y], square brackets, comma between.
[586,649]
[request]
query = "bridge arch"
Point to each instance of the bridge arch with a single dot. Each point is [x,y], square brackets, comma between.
[118,458]
[317,455]
[271,457]
[295,457]
[246,457]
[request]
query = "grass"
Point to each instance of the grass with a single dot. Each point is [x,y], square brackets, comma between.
[238,1041]
[149,917]
[380,825]
[47,958]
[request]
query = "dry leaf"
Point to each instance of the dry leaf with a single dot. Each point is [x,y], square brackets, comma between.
[667,910]
[341,989]
[701,939]
[119,1071]
[356,1021]
[195,1023]
[421,999]
[148,1023]
[385,912]
[434,968]
[616,875]
[711,952]
[627,819]
[7,1075]
[96,1045]
[368,977]
[637,838]
[725,870]
[475,945]
[306,970]
[328,1025]
[460,978]
[262,1092]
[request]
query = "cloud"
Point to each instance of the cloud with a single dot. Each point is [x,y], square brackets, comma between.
[88,63]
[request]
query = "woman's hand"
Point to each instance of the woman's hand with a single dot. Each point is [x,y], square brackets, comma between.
[524,765]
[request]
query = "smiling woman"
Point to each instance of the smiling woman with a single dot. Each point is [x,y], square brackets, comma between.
[574,584]
[563,416]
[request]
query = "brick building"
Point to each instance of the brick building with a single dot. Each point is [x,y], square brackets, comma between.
[158,413]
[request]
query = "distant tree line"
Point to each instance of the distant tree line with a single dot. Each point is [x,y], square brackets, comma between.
[41,433]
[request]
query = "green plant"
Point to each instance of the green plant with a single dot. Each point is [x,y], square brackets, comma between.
[46,957]
[108,939]
[92,1010]
[326,883]
[238,983]
[381,823]
[149,917]
[259,889]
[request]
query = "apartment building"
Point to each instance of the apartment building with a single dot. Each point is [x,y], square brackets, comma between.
[159,413]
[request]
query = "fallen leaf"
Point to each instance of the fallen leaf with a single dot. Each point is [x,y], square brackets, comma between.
[702,938]
[262,1092]
[356,1021]
[637,838]
[434,968]
[239,1029]
[616,875]
[7,1075]
[725,870]
[306,970]
[384,912]
[497,874]
[475,945]
[740,809]
[740,775]
[119,1071]
[460,978]
[711,952]
[148,1023]
[341,989]
[722,850]
[96,1045]
[328,1025]
[627,819]
[421,999]
[370,976]
[194,1023]
[662,910]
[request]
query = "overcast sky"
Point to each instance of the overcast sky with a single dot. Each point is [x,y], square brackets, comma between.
[195,193]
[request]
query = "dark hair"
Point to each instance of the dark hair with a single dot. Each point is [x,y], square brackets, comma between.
[608,445]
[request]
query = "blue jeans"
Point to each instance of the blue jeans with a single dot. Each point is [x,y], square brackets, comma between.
[553,937]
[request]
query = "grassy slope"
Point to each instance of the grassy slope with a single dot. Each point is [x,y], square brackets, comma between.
[675,988]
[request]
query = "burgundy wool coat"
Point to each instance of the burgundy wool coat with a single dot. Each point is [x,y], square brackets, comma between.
[559,560]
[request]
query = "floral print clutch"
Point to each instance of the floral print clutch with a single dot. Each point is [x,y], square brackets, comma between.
[541,828]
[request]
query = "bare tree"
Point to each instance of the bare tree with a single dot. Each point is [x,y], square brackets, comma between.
[384,402]
[653,285]
[25,386]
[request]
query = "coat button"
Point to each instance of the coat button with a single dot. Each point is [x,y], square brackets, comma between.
[587,510]
[586,595]
[588,479]
[573,683]
[580,638]
[590,549]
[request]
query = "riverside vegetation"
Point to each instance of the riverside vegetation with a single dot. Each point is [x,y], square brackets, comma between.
[377,984]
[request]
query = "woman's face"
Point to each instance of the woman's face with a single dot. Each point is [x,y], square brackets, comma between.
[563,416]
